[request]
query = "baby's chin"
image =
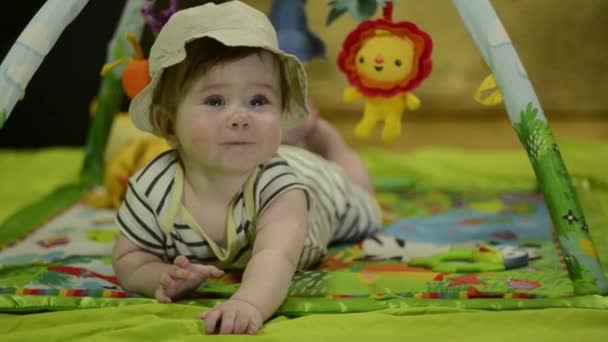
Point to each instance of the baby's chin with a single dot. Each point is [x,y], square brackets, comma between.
[244,163]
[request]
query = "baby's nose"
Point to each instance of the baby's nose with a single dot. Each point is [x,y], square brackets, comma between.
[379,59]
[239,120]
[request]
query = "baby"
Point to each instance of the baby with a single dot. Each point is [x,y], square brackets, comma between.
[229,195]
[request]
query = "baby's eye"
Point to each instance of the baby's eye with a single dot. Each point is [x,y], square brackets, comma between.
[215,101]
[259,100]
[398,62]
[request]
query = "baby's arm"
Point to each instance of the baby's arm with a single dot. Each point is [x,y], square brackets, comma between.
[140,271]
[280,236]
[137,270]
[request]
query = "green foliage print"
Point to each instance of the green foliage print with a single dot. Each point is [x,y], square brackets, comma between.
[308,283]
[534,133]
[359,9]
[54,279]
[20,275]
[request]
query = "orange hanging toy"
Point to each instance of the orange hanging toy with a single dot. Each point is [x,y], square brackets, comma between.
[135,77]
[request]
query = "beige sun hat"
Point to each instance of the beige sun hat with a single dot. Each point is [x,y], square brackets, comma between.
[233,24]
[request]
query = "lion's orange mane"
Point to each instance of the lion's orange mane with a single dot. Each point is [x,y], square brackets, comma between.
[366,29]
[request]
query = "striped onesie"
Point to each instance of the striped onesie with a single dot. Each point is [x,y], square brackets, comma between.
[153,217]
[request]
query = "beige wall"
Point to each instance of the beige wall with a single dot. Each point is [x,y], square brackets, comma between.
[563,46]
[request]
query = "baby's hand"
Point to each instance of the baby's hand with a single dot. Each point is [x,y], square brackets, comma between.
[182,278]
[232,317]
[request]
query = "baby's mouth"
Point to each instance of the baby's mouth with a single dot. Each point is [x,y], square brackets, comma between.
[238,143]
[378,67]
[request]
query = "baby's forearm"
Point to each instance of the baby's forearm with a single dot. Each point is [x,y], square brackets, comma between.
[266,281]
[140,272]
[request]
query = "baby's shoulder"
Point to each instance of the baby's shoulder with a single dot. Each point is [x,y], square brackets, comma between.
[274,169]
[304,162]
[160,169]
[276,176]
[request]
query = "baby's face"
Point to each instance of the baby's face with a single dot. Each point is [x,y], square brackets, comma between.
[230,119]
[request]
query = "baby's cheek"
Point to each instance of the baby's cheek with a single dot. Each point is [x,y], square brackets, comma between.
[201,132]
[275,133]
[200,139]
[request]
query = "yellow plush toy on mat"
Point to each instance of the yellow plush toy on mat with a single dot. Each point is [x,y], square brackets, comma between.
[128,149]
[384,61]
[136,154]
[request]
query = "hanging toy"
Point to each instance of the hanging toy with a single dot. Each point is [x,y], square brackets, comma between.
[384,61]
[293,33]
[155,23]
[488,94]
[136,76]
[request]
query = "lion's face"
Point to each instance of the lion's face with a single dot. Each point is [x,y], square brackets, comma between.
[382,58]
[385,58]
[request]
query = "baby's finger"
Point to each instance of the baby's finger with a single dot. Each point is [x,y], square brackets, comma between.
[160,296]
[240,323]
[252,327]
[208,271]
[227,322]
[166,281]
[182,261]
[211,319]
[179,273]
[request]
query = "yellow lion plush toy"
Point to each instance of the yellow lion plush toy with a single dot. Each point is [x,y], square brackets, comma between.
[385,61]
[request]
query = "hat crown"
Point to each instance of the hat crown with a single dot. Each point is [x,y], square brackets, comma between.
[223,22]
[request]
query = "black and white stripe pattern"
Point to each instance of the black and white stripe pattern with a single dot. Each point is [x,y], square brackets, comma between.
[338,210]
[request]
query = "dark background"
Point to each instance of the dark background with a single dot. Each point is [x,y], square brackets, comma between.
[55,110]
[56,104]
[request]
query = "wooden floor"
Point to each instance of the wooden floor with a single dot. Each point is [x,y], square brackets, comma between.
[473,133]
